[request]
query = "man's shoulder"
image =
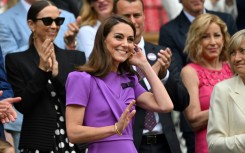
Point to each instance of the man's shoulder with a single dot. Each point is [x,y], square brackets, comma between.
[222,15]
[66,13]
[174,23]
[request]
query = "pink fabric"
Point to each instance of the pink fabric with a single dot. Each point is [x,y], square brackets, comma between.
[207,79]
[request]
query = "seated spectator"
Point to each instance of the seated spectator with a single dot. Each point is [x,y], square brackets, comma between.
[206,47]
[226,122]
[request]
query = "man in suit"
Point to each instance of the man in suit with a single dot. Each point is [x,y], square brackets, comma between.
[6,89]
[14,31]
[173,35]
[14,36]
[163,138]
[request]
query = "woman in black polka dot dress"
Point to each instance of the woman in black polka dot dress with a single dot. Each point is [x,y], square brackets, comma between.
[38,76]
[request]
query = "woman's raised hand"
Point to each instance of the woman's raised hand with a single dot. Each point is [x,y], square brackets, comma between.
[125,118]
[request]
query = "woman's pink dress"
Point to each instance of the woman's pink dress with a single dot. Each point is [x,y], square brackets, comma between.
[207,79]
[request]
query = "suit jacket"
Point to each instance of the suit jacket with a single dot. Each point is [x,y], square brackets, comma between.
[5,87]
[225,132]
[15,32]
[173,35]
[240,21]
[31,84]
[179,96]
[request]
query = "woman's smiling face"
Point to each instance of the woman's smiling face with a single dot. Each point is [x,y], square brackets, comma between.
[120,42]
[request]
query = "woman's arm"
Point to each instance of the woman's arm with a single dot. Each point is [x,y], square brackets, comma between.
[158,99]
[196,117]
[78,133]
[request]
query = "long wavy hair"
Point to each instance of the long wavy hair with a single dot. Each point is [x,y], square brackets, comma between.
[194,36]
[100,60]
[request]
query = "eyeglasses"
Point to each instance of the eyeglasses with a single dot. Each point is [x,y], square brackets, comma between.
[47,21]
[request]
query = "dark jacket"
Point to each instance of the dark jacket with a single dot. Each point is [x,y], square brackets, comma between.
[5,87]
[179,96]
[173,35]
[30,83]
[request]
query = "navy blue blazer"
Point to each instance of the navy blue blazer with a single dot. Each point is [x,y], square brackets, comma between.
[173,35]
[5,87]
[179,96]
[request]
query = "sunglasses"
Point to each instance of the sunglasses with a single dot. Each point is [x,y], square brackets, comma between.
[47,21]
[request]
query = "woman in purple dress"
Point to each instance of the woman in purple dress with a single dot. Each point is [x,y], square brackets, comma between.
[102,94]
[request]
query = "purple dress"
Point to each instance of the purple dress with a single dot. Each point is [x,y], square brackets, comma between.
[105,100]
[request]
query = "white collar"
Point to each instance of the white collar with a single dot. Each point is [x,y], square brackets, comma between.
[189,16]
[141,44]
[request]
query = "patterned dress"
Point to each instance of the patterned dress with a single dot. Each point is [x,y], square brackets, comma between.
[207,79]
[61,143]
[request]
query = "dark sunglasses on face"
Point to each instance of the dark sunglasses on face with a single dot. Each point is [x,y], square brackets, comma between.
[47,21]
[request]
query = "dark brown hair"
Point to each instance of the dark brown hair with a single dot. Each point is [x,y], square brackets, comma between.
[100,60]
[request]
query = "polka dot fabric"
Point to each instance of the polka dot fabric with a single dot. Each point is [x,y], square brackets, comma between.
[61,142]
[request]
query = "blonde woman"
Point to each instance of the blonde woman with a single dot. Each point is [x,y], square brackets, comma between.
[206,47]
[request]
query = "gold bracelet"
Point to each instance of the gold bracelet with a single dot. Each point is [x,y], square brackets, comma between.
[116,130]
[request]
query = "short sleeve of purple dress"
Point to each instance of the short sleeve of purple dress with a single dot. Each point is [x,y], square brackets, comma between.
[105,100]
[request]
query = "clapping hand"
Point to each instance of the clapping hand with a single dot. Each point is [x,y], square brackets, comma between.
[7,112]
[163,62]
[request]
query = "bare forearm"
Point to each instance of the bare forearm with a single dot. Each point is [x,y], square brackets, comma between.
[82,134]
[160,94]
[199,121]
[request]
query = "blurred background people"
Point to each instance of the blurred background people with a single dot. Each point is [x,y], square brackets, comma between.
[173,35]
[206,47]
[172,7]
[14,31]
[109,75]
[38,76]
[226,6]
[92,13]
[163,136]
[225,132]
[6,4]
[240,21]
